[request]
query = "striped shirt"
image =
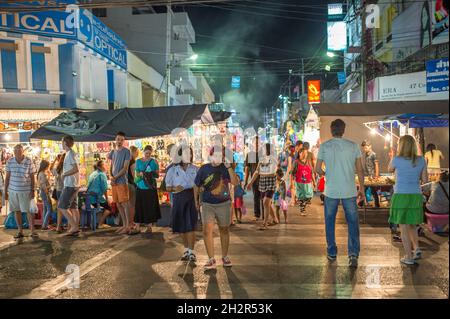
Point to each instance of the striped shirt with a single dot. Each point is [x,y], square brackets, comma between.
[20,174]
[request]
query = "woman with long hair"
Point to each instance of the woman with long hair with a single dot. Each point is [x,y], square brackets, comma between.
[266,170]
[56,168]
[44,191]
[433,157]
[407,202]
[147,201]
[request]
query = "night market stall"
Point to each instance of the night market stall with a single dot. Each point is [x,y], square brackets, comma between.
[94,132]
[382,123]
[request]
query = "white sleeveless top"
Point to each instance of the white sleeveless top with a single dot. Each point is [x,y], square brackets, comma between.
[268,166]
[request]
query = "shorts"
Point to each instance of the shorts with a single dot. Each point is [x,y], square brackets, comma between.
[220,212]
[267,194]
[19,202]
[120,193]
[238,202]
[69,198]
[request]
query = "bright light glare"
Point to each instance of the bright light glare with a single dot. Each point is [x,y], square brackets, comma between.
[330,54]
[373,132]
[387,138]
[194,57]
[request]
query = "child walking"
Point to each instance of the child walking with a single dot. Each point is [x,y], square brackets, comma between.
[238,201]
[279,197]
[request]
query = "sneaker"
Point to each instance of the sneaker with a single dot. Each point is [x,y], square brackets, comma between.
[353,261]
[34,235]
[185,256]
[210,264]
[331,258]
[226,262]
[406,261]
[417,254]
[396,238]
[192,258]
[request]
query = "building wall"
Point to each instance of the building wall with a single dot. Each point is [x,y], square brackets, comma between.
[145,35]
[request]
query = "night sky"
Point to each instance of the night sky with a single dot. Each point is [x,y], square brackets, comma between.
[231,42]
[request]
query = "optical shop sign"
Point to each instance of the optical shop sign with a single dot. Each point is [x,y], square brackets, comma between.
[75,24]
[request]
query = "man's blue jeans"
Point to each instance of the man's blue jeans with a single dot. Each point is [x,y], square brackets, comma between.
[352,218]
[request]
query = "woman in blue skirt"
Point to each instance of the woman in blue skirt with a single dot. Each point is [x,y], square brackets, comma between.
[180,181]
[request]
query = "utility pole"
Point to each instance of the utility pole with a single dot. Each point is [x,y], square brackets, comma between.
[303,78]
[168,51]
[363,53]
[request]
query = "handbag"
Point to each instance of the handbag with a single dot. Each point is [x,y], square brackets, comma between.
[149,178]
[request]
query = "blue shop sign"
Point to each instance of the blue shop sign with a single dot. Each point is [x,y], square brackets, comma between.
[101,39]
[60,24]
[437,75]
[45,23]
[341,77]
[46,3]
[235,82]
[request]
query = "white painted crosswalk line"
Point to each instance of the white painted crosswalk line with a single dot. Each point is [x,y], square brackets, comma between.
[59,283]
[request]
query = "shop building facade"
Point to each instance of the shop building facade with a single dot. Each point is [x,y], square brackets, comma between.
[48,62]
[397,49]
[145,32]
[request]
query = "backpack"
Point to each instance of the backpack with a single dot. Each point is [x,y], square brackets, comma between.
[303,173]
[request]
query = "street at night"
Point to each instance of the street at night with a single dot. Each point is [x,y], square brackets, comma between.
[287,261]
[224,157]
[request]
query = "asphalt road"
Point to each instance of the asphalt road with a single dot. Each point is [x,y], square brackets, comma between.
[286,261]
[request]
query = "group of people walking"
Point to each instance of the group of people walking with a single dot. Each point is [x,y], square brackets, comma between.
[214,190]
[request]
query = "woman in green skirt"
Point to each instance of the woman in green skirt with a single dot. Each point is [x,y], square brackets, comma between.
[407,202]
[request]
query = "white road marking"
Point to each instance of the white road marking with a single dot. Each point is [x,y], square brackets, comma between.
[52,287]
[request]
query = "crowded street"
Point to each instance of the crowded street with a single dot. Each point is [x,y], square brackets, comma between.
[186,152]
[287,261]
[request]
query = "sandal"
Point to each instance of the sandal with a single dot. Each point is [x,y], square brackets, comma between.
[18,235]
[263,227]
[134,231]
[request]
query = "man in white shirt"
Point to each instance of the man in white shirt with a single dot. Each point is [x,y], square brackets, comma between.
[68,201]
[19,188]
[342,160]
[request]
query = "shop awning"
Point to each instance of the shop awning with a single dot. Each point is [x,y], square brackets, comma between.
[382,108]
[97,126]
[421,120]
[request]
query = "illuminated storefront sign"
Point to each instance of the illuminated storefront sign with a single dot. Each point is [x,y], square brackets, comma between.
[337,35]
[313,91]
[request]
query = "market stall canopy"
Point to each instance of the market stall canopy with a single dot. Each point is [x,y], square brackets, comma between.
[382,108]
[420,120]
[98,126]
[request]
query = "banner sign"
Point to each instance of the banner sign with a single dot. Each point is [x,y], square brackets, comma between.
[437,75]
[235,82]
[313,91]
[79,25]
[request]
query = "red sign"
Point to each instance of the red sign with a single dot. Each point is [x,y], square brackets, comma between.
[313,91]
